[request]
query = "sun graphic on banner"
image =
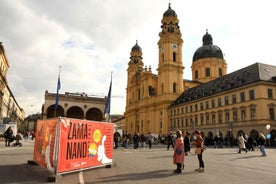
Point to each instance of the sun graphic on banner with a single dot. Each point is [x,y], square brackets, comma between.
[97,135]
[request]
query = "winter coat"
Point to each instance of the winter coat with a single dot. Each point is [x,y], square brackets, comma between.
[179,145]
[241,142]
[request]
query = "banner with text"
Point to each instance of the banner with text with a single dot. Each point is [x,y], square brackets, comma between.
[84,144]
[73,144]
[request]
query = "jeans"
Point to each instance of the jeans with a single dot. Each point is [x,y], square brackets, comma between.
[262,149]
[201,163]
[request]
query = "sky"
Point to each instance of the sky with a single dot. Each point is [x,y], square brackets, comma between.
[90,39]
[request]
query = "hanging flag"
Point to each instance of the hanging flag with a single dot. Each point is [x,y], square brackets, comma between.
[108,101]
[58,88]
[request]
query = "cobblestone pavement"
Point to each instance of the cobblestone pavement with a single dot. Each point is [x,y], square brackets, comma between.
[148,166]
[155,166]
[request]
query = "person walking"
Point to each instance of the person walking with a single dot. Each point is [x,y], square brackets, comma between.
[8,135]
[170,140]
[178,156]
[116,139]
[135,141]
[262,144]
[150,139]
[187,145]
[199,146]
[143,140]
[242,144]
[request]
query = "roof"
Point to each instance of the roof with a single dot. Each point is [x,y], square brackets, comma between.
[245,76]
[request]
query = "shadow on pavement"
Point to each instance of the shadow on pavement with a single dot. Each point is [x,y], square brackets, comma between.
[132,177]
[23,173]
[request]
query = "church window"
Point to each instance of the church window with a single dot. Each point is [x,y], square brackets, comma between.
[220,72]
[174,87]
[207,72]
[196,74]
[174,57]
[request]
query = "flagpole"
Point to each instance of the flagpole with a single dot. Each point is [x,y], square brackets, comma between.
[58,88]
[108,103]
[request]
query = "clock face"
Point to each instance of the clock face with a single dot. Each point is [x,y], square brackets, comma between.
[174,46]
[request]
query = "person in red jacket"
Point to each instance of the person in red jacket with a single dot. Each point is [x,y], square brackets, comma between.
[178,156]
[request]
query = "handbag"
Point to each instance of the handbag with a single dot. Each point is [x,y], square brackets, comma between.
[178,151]
[198,151]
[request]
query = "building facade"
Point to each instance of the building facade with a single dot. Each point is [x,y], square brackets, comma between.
[148,95]
[10,111]
[73,105]
[242,102]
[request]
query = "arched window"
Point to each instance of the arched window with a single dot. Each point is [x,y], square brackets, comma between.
[174,57]
[174,87]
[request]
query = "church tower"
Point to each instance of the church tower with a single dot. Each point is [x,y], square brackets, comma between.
[148,94]
[170,67]
[135,67]
[208,61]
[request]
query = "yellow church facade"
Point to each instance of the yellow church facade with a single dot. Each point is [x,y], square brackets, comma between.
[214,102]
[149,95]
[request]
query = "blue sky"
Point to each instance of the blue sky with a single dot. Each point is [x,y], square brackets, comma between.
[92,38]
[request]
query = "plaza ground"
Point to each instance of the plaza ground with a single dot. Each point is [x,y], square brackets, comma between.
[148,166]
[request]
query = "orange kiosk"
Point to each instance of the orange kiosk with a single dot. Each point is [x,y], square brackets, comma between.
[64,145]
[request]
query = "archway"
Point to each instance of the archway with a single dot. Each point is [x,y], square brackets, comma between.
[51,113]
[94,114]
[75,112]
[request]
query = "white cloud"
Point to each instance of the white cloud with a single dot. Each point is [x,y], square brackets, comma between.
[92,38]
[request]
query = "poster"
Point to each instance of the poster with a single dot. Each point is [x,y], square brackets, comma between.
[64,145]
[84,144]
[45,139]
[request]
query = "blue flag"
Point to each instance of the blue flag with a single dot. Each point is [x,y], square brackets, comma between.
[107,103]
[58,88]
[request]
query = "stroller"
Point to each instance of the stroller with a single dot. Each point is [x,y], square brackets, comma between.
[17,139]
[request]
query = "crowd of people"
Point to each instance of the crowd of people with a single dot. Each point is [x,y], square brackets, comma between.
[10,138]
[182,141]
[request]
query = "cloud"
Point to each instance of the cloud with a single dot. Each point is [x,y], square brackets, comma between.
[92,38]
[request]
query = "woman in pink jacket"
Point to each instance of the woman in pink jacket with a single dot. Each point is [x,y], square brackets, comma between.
[178,156]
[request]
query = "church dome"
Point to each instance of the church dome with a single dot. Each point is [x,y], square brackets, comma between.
[207,50]
[169,12]
[136,47]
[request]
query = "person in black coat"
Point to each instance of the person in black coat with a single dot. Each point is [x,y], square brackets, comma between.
[8,135]
[187,144]
[170,141]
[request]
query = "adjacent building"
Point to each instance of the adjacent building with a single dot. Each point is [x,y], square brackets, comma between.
[73,105]
[10,111]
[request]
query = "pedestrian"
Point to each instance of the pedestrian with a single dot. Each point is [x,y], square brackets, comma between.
[262,144]
[170,140]
[242,144]
[135,141]
[143,140]
[150,139]
[178,156]
[200,147]
[8,135]
[126,140]
[116,139]
[187,145]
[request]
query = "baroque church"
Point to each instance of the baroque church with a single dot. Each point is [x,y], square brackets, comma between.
[213,101]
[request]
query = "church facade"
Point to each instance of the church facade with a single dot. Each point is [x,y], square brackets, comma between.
[215,102]
[149,95]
